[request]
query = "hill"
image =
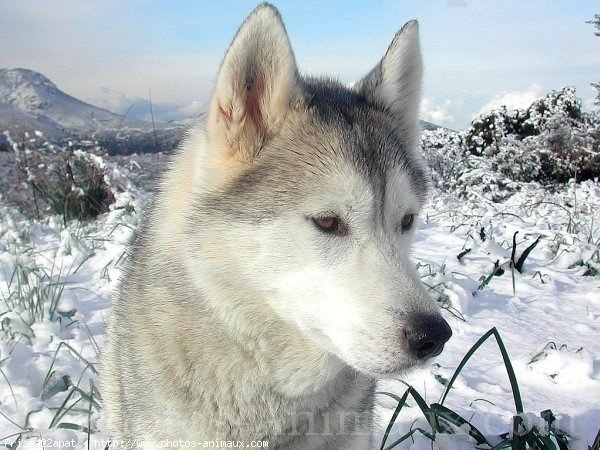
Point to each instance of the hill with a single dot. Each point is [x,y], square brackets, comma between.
[29,101]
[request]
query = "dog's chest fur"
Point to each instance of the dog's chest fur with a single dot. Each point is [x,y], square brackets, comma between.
[183,377]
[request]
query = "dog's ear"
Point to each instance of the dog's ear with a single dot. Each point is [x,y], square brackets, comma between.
[256,86]
[394,85]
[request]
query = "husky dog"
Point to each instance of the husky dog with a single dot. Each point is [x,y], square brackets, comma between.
[270,284]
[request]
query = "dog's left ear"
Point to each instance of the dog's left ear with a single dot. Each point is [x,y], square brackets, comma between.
[394,85]
[256,86]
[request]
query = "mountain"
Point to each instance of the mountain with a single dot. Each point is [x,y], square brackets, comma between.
[428,126]
[29,101]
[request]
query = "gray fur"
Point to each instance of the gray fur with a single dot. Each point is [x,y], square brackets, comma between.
[219,329]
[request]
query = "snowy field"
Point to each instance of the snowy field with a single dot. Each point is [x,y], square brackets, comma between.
[55,284]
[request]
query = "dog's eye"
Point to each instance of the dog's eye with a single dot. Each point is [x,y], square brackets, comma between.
[331,225]
[407,222]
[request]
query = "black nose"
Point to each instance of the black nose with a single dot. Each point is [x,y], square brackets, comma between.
[426,335]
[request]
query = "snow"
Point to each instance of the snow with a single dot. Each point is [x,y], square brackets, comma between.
[56,280]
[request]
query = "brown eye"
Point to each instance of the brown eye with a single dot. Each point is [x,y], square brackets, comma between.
[330,225]
[407,222]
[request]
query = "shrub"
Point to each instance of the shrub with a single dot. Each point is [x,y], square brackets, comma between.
[67,181]
[552,141]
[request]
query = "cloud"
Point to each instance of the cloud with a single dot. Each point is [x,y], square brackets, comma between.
[512,99]
[590,98]
[139,108]
[83,45]
[193,109]
[591,104]
[112,100]
[438,114]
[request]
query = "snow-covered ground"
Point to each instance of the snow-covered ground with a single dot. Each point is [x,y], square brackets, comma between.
[548,316]
[55,283]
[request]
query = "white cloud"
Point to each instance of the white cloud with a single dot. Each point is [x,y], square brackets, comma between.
[438,114]
[512,99]
[590,104]
[193,109]
[112,100]
[139,108]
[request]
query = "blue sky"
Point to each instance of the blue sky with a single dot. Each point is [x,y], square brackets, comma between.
[477,54]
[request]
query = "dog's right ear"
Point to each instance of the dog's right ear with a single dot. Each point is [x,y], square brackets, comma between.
[256,86]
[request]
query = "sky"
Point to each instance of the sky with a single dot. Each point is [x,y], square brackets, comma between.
[477,54]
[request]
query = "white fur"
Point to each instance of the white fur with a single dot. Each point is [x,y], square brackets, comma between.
[234,329]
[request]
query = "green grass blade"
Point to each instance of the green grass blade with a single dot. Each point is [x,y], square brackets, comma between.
[15,444]
[459,421]
[462,364]
[505,443]
[73,426]
[88,398]
[61,408]
[88,365]
[463,253]
[508,365]
[532,440]
[409,434]
[13,422]
[517,441]
[563,444]
[394,396]
[546,442]
[525,254]
[514,247]
[510,372]
[401,403]
[427,412]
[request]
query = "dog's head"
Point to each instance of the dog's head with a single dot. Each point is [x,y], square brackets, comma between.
[313,190]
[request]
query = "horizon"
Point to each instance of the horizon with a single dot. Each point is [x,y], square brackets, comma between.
[477,55]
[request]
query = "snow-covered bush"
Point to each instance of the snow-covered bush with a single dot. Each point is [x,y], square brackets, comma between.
[456,170]
[552,141]
[83,193]
[68,181]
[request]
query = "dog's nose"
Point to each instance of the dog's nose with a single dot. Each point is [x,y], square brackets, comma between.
[426,335]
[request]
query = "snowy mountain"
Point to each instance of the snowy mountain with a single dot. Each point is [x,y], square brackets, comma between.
[428,126]
[29,101]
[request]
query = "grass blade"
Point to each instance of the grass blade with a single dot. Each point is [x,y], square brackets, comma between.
[463,362]
[401,403]
[523,257]
[514,247]
[427,412]
[459,421]
[508,365]
[409,434]
[463,253]
[73,426]
[517,441]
